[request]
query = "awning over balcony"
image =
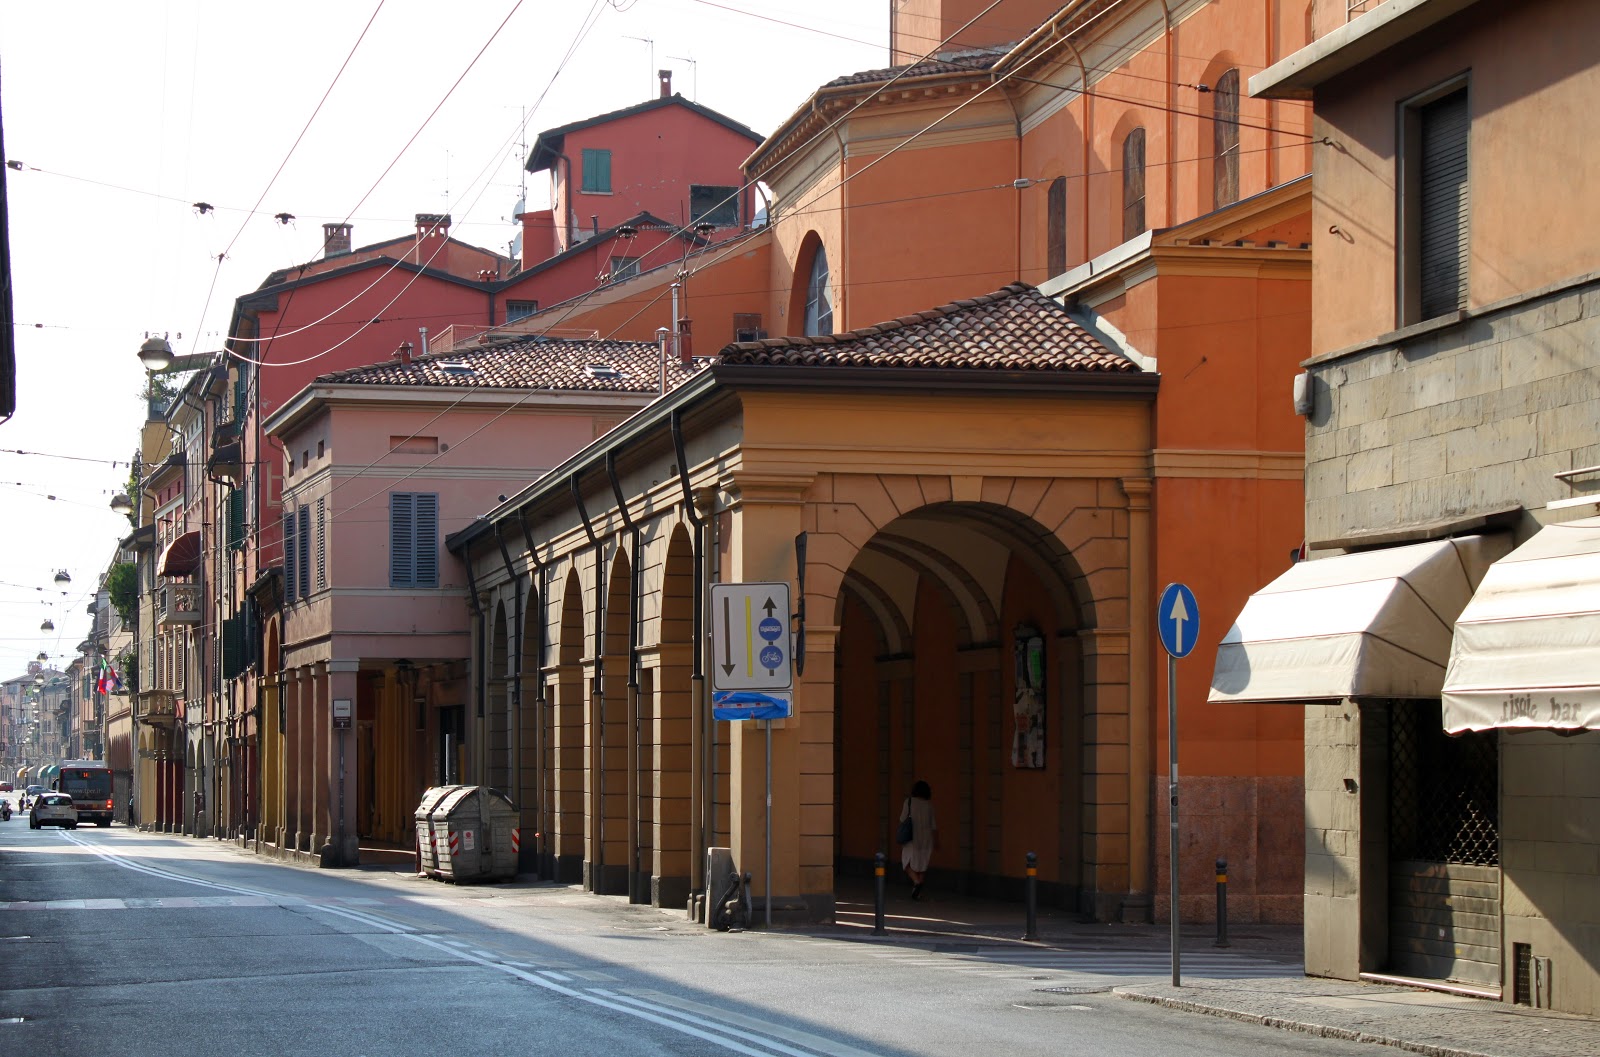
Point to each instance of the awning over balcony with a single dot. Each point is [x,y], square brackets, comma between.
[182,556]
[1527,647]
[1371,624]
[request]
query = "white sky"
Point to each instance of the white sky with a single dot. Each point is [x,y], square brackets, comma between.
[124,114]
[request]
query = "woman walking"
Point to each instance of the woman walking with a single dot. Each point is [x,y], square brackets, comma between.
[915,853]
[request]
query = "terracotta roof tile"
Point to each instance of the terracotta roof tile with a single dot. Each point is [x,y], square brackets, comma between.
[968,60]
[531,363]
[1013,329]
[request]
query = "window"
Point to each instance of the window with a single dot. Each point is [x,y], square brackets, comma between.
[1433,205]
[516,310]
[322,543]
[747,326]
[1133,184]
[304,532]
[1055,227]
[413,539]
[621,268]
[819,299]
[236,536]
[1225,140]
[291,558]
[714,204]
[597,171]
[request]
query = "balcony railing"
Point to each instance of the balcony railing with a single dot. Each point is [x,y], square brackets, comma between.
[178,604]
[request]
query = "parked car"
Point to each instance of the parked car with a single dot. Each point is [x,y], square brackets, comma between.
[52,809]
[5,787]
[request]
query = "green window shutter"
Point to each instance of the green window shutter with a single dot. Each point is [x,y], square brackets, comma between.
[427,536]
[596,170]
[291,551]
[236,519]
[402,544]
[232,647]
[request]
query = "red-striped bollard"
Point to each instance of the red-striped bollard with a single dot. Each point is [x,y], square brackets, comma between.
[1033,898]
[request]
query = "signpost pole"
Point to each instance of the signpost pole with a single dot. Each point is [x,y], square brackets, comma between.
[767,882]
[1172,795]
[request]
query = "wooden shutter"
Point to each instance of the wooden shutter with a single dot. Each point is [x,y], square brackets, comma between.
[291,551]
[305,551]
[1225,141]
[402,544]
[236,519]
[427,539]
[1442,236]
[322,543]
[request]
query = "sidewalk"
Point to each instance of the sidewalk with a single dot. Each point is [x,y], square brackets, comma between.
[1411,1019]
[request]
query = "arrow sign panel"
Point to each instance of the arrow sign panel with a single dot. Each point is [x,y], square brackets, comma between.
[750,637]
[1178,620]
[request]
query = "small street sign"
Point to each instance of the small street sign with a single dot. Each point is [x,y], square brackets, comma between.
[1178,620]
[751,704]
[750,637]
[341,713]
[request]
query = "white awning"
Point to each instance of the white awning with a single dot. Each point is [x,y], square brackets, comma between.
[1371,624]
[1527,647]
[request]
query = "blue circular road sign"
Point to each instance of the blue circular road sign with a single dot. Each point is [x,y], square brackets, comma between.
[1178,620]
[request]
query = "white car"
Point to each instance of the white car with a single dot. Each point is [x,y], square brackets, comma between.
[52,809]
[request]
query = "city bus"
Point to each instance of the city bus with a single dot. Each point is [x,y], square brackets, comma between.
[88,782]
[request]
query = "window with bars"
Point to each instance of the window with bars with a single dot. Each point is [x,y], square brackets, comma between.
[1133,184]
[1444,796]
[516,310]
[1435,130]
[1225,140]
[413,539]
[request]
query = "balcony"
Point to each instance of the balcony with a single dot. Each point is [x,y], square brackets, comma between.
[178,604]
[159,708]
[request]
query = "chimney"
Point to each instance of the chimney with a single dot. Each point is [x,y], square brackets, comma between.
[538,237]
[666,83]
[403,354]
[431,224]
[685,342]
[335,239]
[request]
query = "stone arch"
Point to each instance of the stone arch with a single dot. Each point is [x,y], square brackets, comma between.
[811,251]
[497,713]
[611,739]
[967,603]
[672,738]
[565,843]
[532,728]
[271,728]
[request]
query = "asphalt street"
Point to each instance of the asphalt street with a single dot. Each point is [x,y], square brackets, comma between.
[160,945]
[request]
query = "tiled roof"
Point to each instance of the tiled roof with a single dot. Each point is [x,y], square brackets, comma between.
[531,363]
[1013,329]
[547,147]
[969,60]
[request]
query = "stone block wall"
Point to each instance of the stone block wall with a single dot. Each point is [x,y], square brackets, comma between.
[1457,420]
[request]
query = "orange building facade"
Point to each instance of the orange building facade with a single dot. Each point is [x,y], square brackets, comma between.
[1108,155]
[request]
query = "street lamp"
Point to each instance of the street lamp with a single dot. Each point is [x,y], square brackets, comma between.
[48,625]
[43,656]
[121,504]
[155,354]
[62,579]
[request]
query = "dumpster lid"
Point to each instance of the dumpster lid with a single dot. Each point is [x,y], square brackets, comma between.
[454,798]
[433,795]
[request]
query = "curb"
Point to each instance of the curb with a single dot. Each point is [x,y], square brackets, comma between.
[1326,1031]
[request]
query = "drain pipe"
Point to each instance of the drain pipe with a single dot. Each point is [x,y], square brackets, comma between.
[479,686]
[705,822]
[635,876]
[597,693]
[540,778]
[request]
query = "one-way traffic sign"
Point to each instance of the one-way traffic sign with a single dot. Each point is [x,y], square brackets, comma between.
[750,637]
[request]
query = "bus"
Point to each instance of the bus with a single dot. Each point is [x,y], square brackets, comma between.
[88,782]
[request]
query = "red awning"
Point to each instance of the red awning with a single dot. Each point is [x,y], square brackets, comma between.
[182,556]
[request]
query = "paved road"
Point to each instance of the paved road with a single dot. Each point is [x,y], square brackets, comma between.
[151,945]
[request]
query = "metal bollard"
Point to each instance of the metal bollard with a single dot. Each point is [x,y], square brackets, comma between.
[1222,903]
[1033,898]
[877,899]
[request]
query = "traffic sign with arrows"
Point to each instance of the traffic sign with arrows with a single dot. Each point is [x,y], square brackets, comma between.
[750,637]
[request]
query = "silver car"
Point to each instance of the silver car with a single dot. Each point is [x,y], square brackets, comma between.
[52,809]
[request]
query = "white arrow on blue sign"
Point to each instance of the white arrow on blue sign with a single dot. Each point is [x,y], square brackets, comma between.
[1178,620]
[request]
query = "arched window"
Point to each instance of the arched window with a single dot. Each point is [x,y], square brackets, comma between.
[1055,227]
[1133,184]
[819,299]
[1225,140]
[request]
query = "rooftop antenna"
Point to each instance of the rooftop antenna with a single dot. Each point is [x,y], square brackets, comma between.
[652,69]
[694,75]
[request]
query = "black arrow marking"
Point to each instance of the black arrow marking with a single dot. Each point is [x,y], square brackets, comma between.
[769,607]
[727,637]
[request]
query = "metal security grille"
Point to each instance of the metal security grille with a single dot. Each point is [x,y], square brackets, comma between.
[1444,803]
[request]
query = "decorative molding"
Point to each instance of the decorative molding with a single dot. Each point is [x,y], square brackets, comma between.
[1258,465]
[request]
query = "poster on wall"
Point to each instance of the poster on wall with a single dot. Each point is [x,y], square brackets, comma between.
[1027,739]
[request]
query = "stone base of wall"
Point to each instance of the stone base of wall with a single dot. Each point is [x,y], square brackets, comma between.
[1256,824]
